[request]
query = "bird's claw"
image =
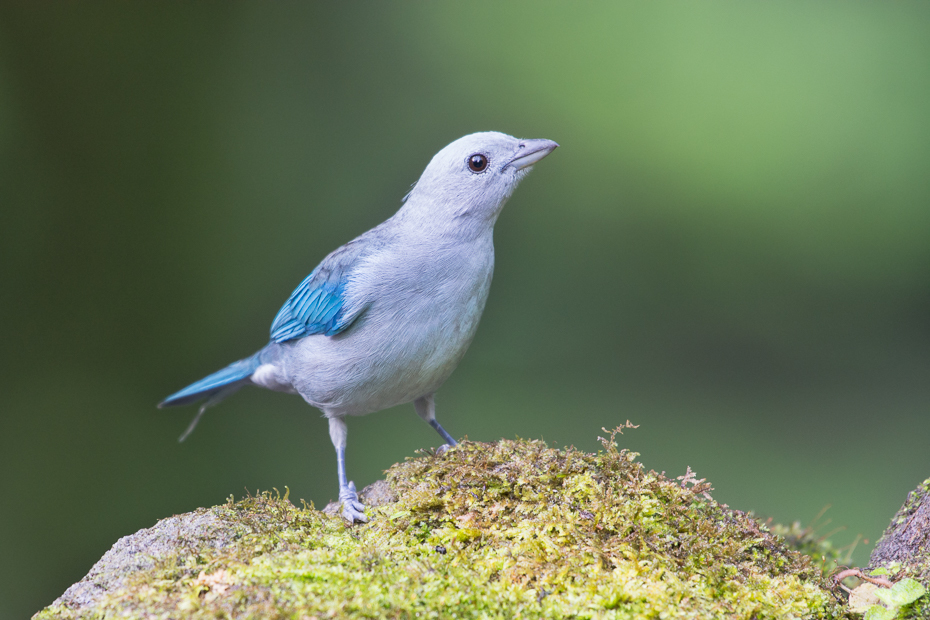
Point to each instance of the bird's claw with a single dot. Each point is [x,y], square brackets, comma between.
[353,510]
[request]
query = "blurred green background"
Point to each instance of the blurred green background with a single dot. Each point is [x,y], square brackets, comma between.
[730,248]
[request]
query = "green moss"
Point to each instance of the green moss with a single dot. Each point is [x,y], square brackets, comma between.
[505,530]
[806,539]
[918,610]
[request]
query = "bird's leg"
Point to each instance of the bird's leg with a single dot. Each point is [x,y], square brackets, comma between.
[352,509]
[426,409]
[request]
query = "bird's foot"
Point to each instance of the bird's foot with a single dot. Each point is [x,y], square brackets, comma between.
[443,449]
[353,510]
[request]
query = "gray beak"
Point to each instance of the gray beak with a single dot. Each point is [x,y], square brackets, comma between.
[530,152]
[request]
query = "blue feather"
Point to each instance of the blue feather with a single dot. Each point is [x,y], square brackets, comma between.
[208,386]
[303,300]
[311,309]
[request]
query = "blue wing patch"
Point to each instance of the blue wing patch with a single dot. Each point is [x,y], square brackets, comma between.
[318,305]
[313,308]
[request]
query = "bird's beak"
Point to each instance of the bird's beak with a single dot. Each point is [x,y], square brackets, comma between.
[530,152]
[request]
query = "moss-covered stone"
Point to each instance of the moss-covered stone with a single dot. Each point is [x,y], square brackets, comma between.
[505,530]
[903,547]
[903,551]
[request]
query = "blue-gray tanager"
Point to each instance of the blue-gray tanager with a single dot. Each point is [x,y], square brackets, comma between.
[386,318]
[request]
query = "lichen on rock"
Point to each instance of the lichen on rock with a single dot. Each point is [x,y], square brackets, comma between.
[512,529]
[903,551]
[905,542]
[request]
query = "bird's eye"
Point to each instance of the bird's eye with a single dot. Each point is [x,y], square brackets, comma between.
[477,162]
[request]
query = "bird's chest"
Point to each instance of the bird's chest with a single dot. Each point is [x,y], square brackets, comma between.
[419,326]
[432,308]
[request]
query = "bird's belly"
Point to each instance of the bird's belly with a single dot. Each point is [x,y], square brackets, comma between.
[391,356]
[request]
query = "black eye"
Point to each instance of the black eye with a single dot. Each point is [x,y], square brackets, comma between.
[477,162]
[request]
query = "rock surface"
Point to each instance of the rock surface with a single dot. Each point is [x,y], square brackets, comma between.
[905,543]
[143,550]
[203,529]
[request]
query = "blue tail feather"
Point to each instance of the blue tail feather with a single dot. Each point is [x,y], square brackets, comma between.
[224,380]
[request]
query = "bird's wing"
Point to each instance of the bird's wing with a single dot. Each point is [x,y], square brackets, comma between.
[318,305]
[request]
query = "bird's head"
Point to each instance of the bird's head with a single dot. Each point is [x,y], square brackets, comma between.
[472,177]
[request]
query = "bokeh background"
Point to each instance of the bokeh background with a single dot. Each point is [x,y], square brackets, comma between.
[730,248]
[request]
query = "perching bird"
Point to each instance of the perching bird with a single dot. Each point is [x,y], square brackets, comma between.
[386,318]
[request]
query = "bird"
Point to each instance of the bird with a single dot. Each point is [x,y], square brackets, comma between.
[384,319]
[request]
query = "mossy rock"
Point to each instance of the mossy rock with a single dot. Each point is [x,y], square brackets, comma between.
[512,529]
[905,545]
[903,551]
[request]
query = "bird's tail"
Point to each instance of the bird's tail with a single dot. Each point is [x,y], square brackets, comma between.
[214,388]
